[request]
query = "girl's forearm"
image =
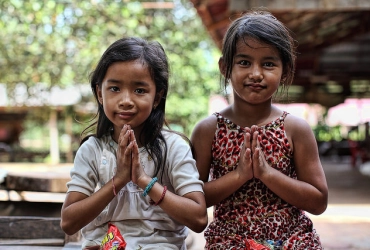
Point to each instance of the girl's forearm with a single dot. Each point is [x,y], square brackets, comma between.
[81,211]
[297,193]
[189,210]
[223,187]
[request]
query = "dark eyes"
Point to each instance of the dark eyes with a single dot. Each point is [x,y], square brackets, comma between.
[265,64]
[269,64]
[244,63]
[114,89]
[140,91]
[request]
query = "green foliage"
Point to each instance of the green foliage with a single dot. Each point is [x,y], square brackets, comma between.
[323,132]
[58,43]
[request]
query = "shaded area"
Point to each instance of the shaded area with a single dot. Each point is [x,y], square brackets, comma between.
[333,42]
[345,225]
[346,222]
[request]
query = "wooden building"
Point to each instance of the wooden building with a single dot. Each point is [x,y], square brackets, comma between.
[333,43]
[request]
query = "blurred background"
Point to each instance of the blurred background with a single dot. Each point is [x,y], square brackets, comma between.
[49,47]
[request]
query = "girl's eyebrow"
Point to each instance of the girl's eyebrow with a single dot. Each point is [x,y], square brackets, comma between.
[136,83]
[244,56]
[113,81]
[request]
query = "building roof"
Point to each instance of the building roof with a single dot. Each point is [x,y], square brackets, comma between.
[333,43]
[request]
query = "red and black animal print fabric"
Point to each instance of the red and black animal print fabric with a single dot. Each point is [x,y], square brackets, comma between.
[254,213]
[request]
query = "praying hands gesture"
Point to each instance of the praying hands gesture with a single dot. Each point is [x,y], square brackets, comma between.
[128,162]
[130,169]
[252,160]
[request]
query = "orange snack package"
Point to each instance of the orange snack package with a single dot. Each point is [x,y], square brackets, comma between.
[113,240]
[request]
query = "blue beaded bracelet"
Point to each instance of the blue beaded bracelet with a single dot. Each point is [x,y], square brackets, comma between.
[150,185]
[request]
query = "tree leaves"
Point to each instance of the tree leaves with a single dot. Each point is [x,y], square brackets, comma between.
[58,43]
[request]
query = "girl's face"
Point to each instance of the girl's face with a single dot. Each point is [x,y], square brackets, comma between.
[128,95]
[256,72]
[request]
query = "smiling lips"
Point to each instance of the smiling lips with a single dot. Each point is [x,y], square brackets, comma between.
[125,115]
[255,86]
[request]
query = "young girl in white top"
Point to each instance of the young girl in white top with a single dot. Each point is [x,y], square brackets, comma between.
[132,172]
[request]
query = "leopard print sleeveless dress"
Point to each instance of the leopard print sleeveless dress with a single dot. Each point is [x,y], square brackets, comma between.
[254,213]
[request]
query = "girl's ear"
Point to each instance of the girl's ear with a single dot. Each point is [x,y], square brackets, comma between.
[222,66]
[99,94]
[157,99]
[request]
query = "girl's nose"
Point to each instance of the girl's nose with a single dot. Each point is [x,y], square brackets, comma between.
[256,74]
[125,99]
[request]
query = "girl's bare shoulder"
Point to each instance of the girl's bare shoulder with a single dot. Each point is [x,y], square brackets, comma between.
[207,123]
[296,127]
[205,127]
[295,122]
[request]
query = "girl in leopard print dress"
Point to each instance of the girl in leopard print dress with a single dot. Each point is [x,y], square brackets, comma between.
[260,165]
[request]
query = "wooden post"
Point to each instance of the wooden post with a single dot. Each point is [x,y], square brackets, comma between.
[68,128]
[54,137]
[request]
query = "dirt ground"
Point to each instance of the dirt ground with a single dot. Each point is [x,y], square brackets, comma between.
[345,225]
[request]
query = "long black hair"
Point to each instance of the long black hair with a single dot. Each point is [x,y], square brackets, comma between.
[151,54]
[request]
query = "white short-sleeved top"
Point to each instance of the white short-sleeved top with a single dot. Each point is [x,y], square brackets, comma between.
[142,225]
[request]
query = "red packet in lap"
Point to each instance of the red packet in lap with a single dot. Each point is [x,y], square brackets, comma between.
[113,240]
[253,245]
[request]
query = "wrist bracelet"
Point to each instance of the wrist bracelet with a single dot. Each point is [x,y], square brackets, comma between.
[114,187]
[149,187]
[160,199]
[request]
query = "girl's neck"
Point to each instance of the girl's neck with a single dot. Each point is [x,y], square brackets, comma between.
[248,115]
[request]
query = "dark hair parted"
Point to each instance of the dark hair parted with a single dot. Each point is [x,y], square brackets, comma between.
[264,27]
[152,55]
